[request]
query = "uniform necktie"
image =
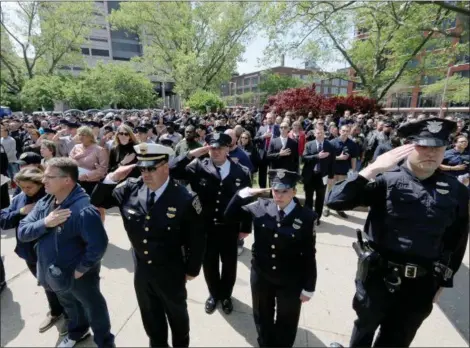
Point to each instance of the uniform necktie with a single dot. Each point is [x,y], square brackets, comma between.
[282,214]
[317,166]
[218,172]
[268,140]
[151,201]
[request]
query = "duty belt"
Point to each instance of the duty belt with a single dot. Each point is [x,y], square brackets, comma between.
[408,270]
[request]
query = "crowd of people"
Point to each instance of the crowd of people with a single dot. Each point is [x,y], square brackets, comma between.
[194,175]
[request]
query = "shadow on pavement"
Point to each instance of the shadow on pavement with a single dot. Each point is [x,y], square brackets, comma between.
[356,220]
[245,257]
[11,321]
[328,227]
[310,339]
[7,234]
[116,257]
[454,303]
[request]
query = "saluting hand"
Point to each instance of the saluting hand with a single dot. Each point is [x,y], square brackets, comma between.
[304,298]
[199,151]
[387,160]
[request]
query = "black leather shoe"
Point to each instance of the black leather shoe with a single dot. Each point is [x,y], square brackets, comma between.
[343,214]
[227,306]
[211,304]
[336,345]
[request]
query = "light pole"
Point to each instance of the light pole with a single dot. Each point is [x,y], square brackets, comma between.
[445,91]
[230,83]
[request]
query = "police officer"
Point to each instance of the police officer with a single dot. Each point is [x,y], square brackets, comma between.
[163,222]
[284,271]
[216,179]
[417,231]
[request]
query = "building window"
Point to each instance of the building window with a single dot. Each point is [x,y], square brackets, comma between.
[118,46]
[318,89]
[335,82]
[86,51]
[432,101]
[343,91]
[334,90]
[121,58]
[464,73]
[401,100]
[254,81]
[100,53]
[343,82]
[246,81]
[98,39]
[429,80]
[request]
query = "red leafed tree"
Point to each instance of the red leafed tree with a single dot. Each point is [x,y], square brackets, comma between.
[305,100]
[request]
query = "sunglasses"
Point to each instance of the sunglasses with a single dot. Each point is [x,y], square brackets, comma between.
[150,169]
[123,134]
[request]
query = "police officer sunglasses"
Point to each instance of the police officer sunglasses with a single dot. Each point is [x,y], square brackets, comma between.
[150,169]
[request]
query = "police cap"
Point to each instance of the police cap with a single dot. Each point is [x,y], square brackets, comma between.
[434,132]
[166,142]
[149,155]
[216,140]
[282,179]
[71,124]
[141,129]
[49,131]
[27,158]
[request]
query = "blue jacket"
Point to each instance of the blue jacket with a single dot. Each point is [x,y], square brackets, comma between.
[10,218]
[77,245]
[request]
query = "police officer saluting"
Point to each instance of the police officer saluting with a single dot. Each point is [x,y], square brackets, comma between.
[162,220]
[216,179]
[417,231]
[284,271]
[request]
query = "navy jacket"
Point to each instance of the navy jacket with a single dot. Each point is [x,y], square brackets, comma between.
[10,218]
[78,244]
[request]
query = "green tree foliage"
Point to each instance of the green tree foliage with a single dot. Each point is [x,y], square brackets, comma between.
[46,35]
[98,87]
[457,89]
[41,92]
[202,101]
[272,83]
[194,44]
[390,37]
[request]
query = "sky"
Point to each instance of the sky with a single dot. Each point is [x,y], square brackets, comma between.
[253,52]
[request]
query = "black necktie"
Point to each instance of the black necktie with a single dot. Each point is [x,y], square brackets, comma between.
[317,166]
[151,201]
[281,214]
[218,172]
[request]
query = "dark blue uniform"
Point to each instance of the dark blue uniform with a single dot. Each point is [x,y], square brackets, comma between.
[341,167]
[454,158]
[168,243]
[412,224]
[222,234]
[283,265]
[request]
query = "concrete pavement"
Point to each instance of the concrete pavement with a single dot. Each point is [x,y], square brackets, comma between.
[327,317]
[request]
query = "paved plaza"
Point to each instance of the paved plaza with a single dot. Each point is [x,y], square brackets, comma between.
[327,317]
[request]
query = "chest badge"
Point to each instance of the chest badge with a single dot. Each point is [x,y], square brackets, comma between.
[442,192]
[130,211]
[434,126]
[237,182]
[443,184]
[296,226]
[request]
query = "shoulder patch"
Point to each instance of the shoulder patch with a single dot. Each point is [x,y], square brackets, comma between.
[197,205]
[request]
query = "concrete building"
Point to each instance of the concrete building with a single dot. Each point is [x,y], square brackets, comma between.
[114,46]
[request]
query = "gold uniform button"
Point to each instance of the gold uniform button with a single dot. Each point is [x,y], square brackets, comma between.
[149,262]
[274,267]
[147,217]
[169,228]
[219,193]
[273,256]
[215,219]
[146,252]
[275,235]
[278,225]
[293,236]
[273,246]
[216,209]
[144,241]
[146,228]
[217,202]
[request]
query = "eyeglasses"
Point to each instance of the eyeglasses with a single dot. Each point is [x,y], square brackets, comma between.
[150,169]
[124,134]
[50,177]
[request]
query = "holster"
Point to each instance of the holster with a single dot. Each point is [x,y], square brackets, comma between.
[367,260]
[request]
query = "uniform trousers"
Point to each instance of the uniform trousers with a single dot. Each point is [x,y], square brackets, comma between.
[222,242]
[315,185]
[399,314]
[270,301]
[161,296]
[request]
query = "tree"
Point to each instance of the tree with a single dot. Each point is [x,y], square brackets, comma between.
[194,44]
[202,101]
[388,38]
[305,100]
[272,83]
[456,90]
[41,92]
[47,35]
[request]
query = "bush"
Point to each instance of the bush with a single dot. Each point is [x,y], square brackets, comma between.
[305,100]
[203,100]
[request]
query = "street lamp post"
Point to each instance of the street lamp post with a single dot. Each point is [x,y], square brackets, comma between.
[445,91]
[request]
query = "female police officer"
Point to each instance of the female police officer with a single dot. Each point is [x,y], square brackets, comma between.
[417,231]
[283,272]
